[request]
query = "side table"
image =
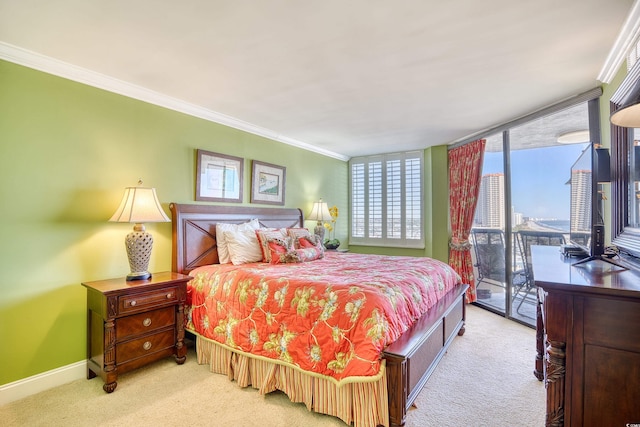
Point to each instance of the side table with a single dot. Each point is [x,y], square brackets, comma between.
[133,323]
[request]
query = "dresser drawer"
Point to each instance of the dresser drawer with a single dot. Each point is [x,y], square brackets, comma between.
[613,323]
[143,323]
[143,301]
[145,345]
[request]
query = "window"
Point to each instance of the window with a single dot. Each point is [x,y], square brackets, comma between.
[386,200]
[525,198]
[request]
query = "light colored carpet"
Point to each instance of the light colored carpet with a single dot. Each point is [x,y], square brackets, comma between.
[485,379]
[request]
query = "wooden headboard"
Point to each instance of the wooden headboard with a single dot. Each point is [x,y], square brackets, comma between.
[194,229]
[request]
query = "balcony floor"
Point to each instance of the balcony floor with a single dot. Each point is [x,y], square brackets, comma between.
[492,297]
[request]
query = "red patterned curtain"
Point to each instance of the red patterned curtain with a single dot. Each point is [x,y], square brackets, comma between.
[465,173]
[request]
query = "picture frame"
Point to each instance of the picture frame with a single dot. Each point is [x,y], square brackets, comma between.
[268,183]
[219,177]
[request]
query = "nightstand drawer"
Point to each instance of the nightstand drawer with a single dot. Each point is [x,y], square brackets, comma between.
[145,345]
[143,323]
[143,301]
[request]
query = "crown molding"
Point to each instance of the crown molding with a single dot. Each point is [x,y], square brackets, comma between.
[617,55]
[68,71]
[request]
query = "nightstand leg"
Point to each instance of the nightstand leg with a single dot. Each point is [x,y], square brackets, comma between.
[181,349]
[110,387]
[110,370]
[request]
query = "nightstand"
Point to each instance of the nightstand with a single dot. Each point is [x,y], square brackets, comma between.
[132,323]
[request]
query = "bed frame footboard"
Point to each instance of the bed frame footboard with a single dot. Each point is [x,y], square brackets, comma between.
[412,359]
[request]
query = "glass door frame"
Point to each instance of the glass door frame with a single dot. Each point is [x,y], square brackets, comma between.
[592,100]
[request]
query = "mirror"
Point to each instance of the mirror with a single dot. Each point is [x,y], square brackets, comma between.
[625,167]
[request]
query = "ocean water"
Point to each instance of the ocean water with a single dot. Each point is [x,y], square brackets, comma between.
[556,224]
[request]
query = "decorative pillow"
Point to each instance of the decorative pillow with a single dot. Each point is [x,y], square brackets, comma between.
[310,249]
[296,255]
[296,233]
[280,250]
[221,241]
[264,235]
[243,246]
[310,241]
[309,254]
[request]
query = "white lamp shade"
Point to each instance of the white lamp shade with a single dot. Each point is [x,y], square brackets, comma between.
[319,212]
[627,117]
[139,204]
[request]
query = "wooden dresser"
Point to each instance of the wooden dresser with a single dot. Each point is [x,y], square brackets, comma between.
[588,340]
[132,323]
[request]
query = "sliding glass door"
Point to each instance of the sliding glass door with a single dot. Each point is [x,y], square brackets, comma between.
[488,237]
[524,200]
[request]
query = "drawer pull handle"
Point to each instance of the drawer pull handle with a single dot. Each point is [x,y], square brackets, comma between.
[146,345]
[133,303]
[169,296]
[147,321]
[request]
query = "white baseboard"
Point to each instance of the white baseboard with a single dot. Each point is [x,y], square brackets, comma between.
[41,382]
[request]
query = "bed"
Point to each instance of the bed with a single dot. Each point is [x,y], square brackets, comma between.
[363,389]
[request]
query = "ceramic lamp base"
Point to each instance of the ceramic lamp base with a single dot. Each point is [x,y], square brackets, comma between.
[319,231]
[139,244]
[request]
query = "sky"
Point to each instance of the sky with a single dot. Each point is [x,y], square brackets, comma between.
[538,179]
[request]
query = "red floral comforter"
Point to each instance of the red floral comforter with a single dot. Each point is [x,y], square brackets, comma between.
[332,316]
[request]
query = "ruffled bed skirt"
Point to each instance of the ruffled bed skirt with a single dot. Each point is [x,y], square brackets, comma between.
[365,404]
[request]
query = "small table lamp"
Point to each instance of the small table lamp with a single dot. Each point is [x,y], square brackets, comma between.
[139,204]
[319,212]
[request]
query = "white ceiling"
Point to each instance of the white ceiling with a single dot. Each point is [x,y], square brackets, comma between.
[350,77]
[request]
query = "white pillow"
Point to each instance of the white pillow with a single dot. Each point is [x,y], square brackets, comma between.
[243,246]
[221,241]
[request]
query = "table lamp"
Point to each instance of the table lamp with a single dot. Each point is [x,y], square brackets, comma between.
[139,204]
[319,212]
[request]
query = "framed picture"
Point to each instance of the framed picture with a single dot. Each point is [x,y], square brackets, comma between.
[219,177]
[267,183]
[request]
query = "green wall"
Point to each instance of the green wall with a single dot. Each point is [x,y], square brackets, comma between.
[437,203]
[67,151]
